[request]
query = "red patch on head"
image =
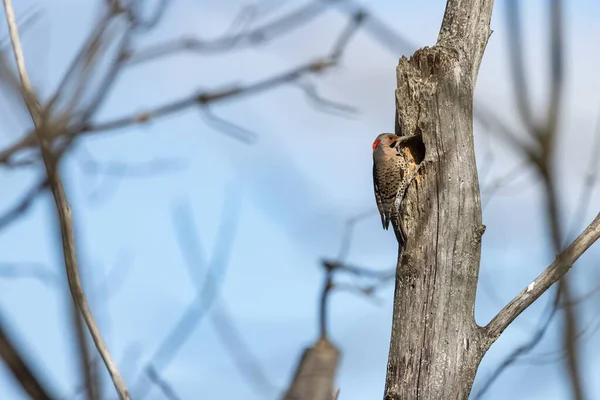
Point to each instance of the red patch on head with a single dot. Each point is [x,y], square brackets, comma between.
[376,143]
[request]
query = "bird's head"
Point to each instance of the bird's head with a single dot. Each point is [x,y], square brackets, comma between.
[384,140]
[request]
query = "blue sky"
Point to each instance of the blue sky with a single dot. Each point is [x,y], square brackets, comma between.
[307,174]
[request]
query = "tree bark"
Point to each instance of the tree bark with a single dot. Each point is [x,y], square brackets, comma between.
[315,373]
[436,345]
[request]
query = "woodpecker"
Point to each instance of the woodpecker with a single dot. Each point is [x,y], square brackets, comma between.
[391,177]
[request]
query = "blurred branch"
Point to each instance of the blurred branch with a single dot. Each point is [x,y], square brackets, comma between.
[247,363]
[504,181]
[317,367]
[114,171]
[62,205]
[91,381]
[206,297]
[315,373]
[322,104]
[240,351]
[541,156]
[396,44]
[122,169]
[115,277]
[229,128]
[562,353]
[200,99]
[331,267]
[514,356]
[324,303]
[28,270]
[20,369]
[517,63]
[265,33]
[570,336]
[339,265]
[552,274]
[379,30]
[164,387]
[556,65]
[349,232]
[23,205]
[591,179]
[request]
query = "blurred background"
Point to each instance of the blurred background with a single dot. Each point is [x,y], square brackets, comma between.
[202,226]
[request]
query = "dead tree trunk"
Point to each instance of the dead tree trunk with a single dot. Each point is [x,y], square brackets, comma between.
[436,345]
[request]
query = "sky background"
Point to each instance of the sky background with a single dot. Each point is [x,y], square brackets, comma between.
[286,200]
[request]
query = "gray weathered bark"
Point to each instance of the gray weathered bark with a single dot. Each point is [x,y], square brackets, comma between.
[315,373]
[435,344]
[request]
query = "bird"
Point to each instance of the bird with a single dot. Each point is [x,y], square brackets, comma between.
[390,179]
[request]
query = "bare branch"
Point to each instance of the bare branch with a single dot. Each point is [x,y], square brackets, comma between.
[20,369]
[23,205]
[91,385]
[322,104]
[28,270]
[349,232]
[517,64]
[342,42]
[206,294]
[556,65]
[504,181]
[26,88]
[201,99]
[204,98]
[122,169]
[229,128]
[552,274]
[514,356]
[285,24]
[591,179]
[62,205]
[570,336]
[164,387]
[240,351]
[230,336]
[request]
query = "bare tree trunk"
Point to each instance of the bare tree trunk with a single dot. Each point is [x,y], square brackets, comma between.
[436,345]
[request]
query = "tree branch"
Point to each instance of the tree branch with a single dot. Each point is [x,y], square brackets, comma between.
[201,99]
[262,34]
[561,265]
[19,368]
[62,205]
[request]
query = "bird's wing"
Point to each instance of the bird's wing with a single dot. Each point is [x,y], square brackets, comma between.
[377,198]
